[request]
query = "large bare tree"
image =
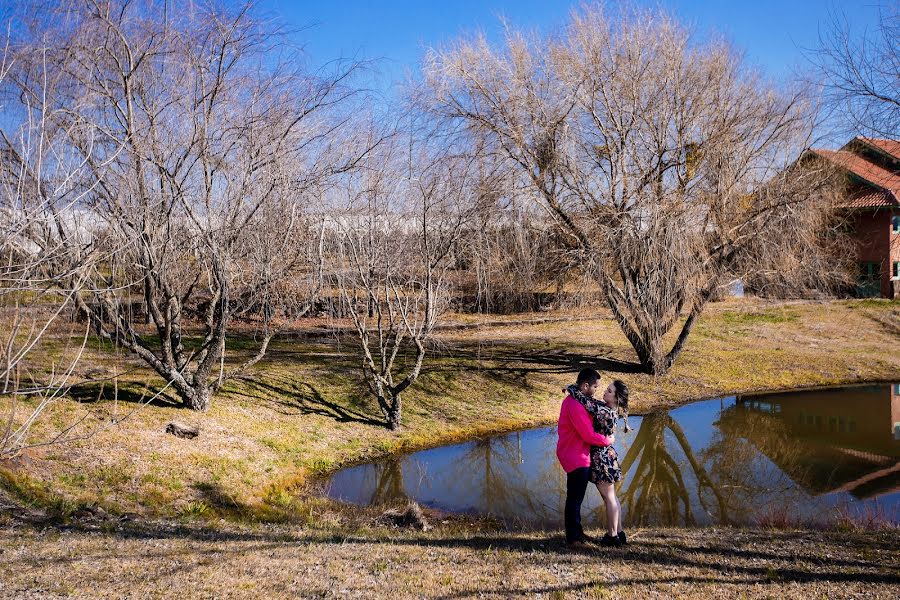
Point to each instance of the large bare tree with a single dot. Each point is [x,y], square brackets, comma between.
[202,138]
[659,157]
[860,71]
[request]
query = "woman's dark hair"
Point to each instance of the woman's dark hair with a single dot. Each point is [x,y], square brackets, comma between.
[588,376]
[622,398]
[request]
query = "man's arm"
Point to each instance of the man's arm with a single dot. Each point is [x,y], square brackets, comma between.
[585,426]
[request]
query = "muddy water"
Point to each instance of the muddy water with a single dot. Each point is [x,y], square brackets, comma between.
[795,457]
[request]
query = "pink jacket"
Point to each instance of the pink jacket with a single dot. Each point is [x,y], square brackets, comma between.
[576,436]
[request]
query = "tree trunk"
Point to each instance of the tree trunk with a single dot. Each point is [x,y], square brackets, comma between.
[393,413]
[651,357]
[200,398]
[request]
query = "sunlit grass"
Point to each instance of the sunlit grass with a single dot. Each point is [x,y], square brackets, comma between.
[303,410]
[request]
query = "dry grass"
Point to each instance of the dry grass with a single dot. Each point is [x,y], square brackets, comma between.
[302,412]
[150,560]
[241,519]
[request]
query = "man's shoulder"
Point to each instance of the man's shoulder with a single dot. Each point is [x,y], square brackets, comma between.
[572,403]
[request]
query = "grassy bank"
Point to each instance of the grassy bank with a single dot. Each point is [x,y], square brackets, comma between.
[132,511]
[301,411]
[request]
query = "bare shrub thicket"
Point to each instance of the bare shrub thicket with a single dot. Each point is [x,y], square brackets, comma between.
[512,261]
[660,158]
[817,257]
[202,139]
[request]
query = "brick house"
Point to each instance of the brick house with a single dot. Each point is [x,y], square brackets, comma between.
[873,170]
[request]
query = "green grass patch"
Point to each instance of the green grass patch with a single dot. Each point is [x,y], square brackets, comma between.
[756,318]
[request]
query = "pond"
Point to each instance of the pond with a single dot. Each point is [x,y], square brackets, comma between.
[782,459]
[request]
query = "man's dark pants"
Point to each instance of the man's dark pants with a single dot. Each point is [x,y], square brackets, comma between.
[576,486]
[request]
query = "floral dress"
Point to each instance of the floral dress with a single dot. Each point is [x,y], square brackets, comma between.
[604,459]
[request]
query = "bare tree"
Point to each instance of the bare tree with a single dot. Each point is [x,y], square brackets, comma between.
[202,136]
[659,158]
[30,303]
[393,251]
[41,348]
[861,72]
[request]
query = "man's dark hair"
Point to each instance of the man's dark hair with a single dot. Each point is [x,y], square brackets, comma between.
[589,376]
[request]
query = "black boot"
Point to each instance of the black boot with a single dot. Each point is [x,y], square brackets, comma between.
[623,539]
[610,540]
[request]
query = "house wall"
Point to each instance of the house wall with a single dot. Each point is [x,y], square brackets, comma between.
[876,243]
[894,242]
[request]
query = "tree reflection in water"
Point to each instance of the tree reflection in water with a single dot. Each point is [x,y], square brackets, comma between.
[490,478]
[389,488]
[494,473]
[751,477]
[657,490]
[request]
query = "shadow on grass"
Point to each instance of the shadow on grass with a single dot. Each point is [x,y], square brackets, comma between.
[890,325]
[213,496]
[95,392]
[789,556]
[517,359]
[290,397]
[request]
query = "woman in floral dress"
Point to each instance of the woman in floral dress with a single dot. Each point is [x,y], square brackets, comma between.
[605,470]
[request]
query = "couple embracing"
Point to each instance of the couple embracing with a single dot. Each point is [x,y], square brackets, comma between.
[587,428]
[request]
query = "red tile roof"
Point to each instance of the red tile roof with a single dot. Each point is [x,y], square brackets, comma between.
[889,147]
[873,174]
[869,199]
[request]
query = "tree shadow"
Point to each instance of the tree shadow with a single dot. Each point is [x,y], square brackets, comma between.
[890,325]
[92,393]
[787,556]
[215,497]
[511,360]
[295,398]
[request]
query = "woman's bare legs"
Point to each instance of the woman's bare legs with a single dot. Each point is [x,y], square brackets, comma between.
[619,504]
[613,510]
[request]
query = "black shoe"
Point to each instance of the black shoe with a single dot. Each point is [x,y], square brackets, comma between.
[588,539]
[610,540]
[623,539]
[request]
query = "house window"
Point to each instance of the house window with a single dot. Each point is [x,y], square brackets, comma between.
[869,283]
[896,271]
[895,223]
[869,271]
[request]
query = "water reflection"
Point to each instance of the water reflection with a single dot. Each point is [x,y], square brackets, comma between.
[659,488]
[389,488]
[734,460]
[826,441]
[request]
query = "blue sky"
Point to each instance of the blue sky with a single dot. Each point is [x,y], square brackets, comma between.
[771,32]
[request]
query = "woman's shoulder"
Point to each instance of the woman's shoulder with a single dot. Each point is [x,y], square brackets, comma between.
[602,407]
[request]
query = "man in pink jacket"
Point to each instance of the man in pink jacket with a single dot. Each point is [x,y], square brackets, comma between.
[576,436]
